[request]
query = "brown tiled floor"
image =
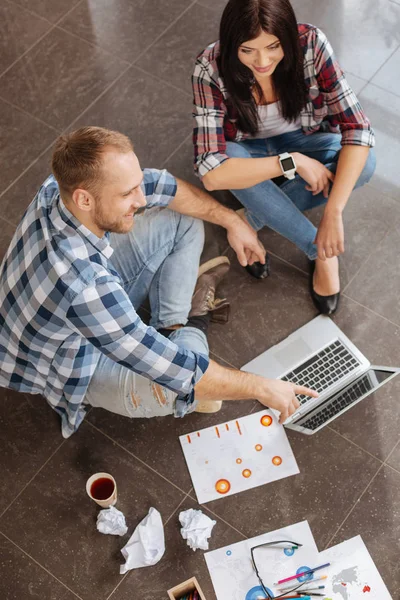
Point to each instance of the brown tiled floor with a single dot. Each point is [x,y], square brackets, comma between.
[125,64]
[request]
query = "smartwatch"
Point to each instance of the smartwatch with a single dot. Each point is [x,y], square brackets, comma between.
[288,165]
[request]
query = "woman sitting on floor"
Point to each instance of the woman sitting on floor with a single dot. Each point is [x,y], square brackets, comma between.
[277,124]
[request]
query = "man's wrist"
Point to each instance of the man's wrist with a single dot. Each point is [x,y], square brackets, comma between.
[231,220]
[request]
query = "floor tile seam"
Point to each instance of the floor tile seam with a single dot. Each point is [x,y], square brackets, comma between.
[26,52]
[397,471]
[93,44]
[381,87]
[376,188]
[119,583]
[31,164]
[28,10]
[390,454]
[40,565]
[178,507]
[226,250]
[8,222]
[382,65]
[31,479]
[89,106]
[163,166]
[163,81]
[165,524]
[287,262]
[354,506]
[224,359]
[280,258]
[164,32]
[53,25]
[356,445]
[193,497]
[199,3]
[384,236]
[32,116]
[62,132]
[358,77]
[142,462]
[256,405]
[397,325]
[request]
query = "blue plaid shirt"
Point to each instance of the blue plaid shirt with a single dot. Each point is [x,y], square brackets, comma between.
[62,304]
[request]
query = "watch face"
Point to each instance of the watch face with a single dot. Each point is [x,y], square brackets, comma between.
[287,163]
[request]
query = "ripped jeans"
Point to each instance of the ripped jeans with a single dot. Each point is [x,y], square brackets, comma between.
[158,258]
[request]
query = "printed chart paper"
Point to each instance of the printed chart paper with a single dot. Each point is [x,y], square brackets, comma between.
[232,572]
[238,455]
[353,574]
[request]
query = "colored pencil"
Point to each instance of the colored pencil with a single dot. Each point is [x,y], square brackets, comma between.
[310,589]
[289,597]
[301,574]
[289,586]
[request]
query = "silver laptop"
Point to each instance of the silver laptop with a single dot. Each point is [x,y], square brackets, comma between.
[320,356]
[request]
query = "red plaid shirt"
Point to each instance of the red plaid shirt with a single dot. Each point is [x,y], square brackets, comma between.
[330,99]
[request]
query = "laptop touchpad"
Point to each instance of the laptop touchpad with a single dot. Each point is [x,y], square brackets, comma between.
[293,353]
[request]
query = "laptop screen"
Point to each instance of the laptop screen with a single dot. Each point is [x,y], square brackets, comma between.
[352,393]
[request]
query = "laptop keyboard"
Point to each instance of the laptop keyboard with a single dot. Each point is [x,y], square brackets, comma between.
[353,393]
[323,369]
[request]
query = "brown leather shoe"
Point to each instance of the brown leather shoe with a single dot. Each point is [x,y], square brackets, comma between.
[204,300]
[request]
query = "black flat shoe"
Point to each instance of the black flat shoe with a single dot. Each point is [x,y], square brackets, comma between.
[258,270]
[326,305]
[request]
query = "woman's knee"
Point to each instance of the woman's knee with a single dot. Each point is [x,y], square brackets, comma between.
[368,170]
[235,150]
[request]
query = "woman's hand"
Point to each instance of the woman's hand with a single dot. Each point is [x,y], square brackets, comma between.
[314,173]
[330,235]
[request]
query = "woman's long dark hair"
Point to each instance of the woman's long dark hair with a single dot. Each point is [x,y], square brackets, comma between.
[244,20]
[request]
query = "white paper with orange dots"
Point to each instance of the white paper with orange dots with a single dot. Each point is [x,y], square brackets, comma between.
[237,456]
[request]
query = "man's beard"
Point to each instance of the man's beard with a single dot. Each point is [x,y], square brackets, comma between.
[104,223]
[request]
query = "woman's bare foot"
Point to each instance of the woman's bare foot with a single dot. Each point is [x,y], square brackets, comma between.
[326,280]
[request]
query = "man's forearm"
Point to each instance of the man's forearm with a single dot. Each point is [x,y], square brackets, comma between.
[220,383]
[194,202]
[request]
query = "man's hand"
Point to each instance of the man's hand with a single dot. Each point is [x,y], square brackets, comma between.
[281,395]
[314,173]
[330,235]
[244,241]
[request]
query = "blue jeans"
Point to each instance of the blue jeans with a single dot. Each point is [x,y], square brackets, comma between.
[280,207]
[159,258]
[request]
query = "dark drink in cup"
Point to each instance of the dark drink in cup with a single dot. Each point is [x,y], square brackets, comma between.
[102,488]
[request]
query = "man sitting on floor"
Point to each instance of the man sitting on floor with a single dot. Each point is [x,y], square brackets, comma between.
[77,271]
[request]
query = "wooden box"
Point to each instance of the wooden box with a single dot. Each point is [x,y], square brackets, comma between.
[184,588]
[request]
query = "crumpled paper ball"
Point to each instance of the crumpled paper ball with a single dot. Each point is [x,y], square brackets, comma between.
[111,521]
[196,528]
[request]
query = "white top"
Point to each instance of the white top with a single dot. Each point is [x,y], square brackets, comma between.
[272,123]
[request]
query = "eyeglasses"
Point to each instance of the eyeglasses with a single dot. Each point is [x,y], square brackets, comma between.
[273,544]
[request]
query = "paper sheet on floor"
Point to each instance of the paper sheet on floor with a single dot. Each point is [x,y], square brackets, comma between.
[232,572]
[238,455]
[352,574]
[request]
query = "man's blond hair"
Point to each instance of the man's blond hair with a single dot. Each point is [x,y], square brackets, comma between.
[77,157]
